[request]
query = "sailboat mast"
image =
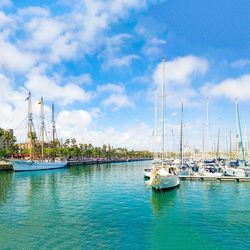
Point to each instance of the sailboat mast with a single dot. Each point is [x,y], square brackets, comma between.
[53,124]
[241,140]
[230,146]
[30,123]
[42,126]
[206,137]
[181,137]
[236,131]
[163,110]
[218,144]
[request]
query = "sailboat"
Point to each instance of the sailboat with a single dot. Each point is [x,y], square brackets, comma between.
[163,176]
[32,164]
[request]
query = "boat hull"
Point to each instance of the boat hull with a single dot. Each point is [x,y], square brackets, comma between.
[33,166]
[159,182]
[147,173]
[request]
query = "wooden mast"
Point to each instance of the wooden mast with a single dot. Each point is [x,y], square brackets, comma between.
[30,124]
[53,124]
[42,126]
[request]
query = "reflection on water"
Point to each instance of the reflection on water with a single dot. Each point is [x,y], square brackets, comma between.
[5,185]
[161,201]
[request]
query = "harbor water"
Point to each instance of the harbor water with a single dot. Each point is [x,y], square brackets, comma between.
[111,206]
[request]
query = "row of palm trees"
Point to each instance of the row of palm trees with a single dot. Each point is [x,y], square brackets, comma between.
[72,150]
[67,149]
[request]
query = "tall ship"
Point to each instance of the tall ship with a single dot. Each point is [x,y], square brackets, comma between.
[39,163]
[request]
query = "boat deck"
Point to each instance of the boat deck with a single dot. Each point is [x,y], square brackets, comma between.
[222,178]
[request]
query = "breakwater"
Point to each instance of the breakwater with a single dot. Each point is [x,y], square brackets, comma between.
[102,161]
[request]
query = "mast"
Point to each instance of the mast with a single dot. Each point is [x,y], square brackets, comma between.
[42,126]
[218,144]
[163,110]
[241,140]
[236,130]
[230,145]
[30,125]
[206,137]
[181,136]
[53,124]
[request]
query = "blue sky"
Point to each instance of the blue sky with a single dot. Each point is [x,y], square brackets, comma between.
[99,62]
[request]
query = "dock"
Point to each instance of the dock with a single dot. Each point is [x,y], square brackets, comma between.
[222,178]
[5,166]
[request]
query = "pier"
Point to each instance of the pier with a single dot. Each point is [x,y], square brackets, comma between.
[222,178]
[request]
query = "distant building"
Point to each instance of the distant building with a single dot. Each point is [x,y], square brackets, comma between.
[26,145]
[6,139]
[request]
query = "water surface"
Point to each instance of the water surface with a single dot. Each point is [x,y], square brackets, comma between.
[111,207]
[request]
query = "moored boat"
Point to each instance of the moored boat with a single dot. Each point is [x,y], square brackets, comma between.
[163,175]
[40,164]
[23,165]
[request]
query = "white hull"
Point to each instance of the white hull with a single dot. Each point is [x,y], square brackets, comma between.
[161,180]
[32,165]
[234,172]
[147,172]
[207,174]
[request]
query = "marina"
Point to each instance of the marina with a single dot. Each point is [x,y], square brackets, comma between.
[125,125]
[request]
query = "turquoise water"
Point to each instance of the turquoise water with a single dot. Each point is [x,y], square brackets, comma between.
[111,207]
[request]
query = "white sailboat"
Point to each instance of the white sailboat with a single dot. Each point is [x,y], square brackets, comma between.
[32,164]
[163,176]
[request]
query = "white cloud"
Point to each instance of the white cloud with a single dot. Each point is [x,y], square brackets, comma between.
[4,19]
[118,101]
[5,3]
[14,59]
[73,123]
[111,87]
[240,63]
[117,97]
[40,84]
[180,70]
[113,53]
[138,136]
[230,88]
[33,11]
[153,47]
[178,76]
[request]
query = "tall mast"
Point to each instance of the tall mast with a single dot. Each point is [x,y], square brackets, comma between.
[163,110]
[236,130]
[181,137]
[206,137]
[42,125]
[218,144]
[53,124]
[230,145]
[30,124]
[241,139]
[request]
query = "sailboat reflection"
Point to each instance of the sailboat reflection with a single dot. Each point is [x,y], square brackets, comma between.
[161,201]
[5,185]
